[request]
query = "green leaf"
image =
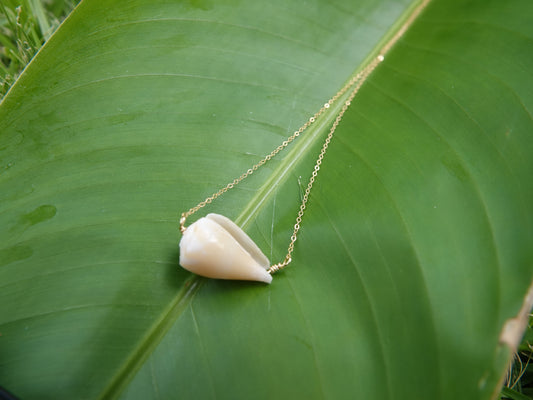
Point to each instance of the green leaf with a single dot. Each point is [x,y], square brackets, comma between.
[513,394]
[415,248]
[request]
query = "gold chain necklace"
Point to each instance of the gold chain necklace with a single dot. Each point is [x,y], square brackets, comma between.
[215,247]
[200,252]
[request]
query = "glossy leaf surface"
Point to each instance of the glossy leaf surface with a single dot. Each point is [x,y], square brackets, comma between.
[414,251]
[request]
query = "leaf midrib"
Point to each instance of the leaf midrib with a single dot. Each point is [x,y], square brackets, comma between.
[280,174]
[152,338]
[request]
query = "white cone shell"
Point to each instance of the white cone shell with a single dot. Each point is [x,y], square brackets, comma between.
[215,247]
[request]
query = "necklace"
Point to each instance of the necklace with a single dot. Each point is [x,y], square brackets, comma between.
[215,247]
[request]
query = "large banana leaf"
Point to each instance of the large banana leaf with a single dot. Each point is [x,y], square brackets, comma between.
[415,248]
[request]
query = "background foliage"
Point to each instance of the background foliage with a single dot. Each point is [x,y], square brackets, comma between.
[24,27]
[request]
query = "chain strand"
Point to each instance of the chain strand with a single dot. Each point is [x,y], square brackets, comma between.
[358,81]
[364,74]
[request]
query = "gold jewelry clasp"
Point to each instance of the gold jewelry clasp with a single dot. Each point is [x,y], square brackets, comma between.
[276,267]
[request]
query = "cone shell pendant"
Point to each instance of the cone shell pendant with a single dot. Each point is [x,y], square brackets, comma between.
[215,247]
